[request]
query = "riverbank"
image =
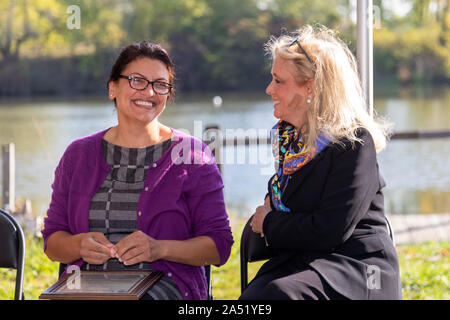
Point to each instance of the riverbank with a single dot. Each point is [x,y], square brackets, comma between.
[420,228]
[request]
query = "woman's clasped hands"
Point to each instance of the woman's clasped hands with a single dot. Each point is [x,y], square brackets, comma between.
[259,215]
[137,247]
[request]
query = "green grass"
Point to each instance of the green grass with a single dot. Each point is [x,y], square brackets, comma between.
[425,270]
[40,272]
[226,280]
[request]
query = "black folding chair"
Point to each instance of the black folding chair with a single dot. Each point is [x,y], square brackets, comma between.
[253,248]
[390,229]
[12,249]
[208,282]
[62,267]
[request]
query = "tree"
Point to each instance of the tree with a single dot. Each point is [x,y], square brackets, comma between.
[15,26]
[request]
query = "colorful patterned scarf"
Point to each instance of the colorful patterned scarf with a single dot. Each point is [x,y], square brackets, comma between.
[291,153]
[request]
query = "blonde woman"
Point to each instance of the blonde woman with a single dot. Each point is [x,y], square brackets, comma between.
[323,217]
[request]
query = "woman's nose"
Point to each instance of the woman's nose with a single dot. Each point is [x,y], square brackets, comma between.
[269,89]
[149,90]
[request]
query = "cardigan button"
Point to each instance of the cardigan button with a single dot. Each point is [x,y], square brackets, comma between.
[154,165]
[139,213]
[146,189]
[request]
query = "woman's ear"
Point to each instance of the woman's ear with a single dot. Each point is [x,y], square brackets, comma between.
[310,86]
[310,89]
[111,90]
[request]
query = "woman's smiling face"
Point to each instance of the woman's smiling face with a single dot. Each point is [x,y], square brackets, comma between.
[288,96]
[140,105]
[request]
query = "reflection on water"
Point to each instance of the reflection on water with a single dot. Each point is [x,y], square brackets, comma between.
[416,110]
[416,171]
[417,175]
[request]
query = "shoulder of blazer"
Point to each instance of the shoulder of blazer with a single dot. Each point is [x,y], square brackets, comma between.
[345,145]
[322,161]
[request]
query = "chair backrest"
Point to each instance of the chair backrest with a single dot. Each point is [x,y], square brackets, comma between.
[390,229]
[62,267]
[12,249]
[208,282]
[253,248]
[244,257]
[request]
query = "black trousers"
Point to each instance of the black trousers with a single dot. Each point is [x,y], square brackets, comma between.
[285,284]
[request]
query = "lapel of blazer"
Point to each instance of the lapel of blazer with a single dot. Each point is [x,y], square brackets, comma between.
[297,178]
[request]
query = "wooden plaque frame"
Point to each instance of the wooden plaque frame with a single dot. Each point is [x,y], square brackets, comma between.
[103,285]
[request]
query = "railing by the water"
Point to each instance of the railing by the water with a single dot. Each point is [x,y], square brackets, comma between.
[213,133]
[423,134]
[257,140]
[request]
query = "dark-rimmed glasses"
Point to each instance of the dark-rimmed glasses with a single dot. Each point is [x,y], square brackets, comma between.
[296,40]
[139,83]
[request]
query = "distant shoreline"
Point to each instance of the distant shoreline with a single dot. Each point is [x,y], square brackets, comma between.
[381,90]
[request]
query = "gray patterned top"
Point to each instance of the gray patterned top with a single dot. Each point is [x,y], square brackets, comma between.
[113,209]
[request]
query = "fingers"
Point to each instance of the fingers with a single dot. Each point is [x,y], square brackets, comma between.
[255,223]
[100,238]
[94,257]
[95,248]
[136,259]
[267,201]
[124,245]
[258,219]
[133,256]
[101,244]
[134,248]
[128,254]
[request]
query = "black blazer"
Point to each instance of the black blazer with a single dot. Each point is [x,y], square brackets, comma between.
[337,224]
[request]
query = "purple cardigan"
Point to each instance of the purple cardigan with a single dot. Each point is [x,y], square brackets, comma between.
[182,198]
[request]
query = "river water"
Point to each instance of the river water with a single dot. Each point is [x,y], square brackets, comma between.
[417,172]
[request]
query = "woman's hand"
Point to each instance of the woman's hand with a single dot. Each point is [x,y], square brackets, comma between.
[138,247]
[259,215]
[95,248]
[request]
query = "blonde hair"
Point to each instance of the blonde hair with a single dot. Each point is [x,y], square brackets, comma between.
[338,108]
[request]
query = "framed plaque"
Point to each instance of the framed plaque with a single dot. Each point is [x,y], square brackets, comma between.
[102,285]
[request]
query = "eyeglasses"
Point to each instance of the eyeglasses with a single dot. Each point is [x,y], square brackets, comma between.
[139,83]
[296,40]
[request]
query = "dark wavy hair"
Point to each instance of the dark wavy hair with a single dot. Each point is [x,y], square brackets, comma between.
[143,49]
